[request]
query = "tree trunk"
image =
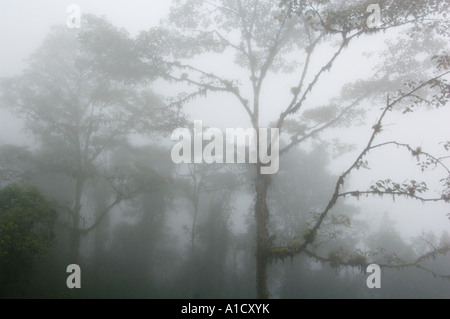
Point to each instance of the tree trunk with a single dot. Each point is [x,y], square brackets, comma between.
[75,234]
[194,223]
[74,244]
[262,234]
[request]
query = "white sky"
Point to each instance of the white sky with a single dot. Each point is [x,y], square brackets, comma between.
[24,23]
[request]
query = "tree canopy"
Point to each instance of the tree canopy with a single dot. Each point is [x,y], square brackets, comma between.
[79,100]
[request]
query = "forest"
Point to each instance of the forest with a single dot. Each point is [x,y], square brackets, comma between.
[234,149]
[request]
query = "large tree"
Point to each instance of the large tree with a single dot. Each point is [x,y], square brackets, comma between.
[82,99]
[263,38]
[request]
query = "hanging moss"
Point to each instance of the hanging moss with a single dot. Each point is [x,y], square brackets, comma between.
[295,245]
[280,254]
[308,236]
[335,259]
[358,261]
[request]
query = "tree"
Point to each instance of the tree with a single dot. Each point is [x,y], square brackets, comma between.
[26,231]
[208,240]
[264,38]
[141,247]
[17,164]
[81,104]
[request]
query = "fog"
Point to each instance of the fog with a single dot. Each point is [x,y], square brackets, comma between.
[90,172]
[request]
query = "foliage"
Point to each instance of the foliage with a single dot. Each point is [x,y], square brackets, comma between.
[81,98]
[26,228]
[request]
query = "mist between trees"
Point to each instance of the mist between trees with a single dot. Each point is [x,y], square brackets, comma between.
[98,185]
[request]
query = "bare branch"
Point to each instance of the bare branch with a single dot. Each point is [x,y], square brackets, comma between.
[297,90]
[315,131]
[227,87]
[311,85]
[102,215]
[239,49]
[310,237]
[363,263]
[393,193]
[415,152]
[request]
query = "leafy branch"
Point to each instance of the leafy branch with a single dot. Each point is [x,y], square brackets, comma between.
[403,190]
[357,259]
